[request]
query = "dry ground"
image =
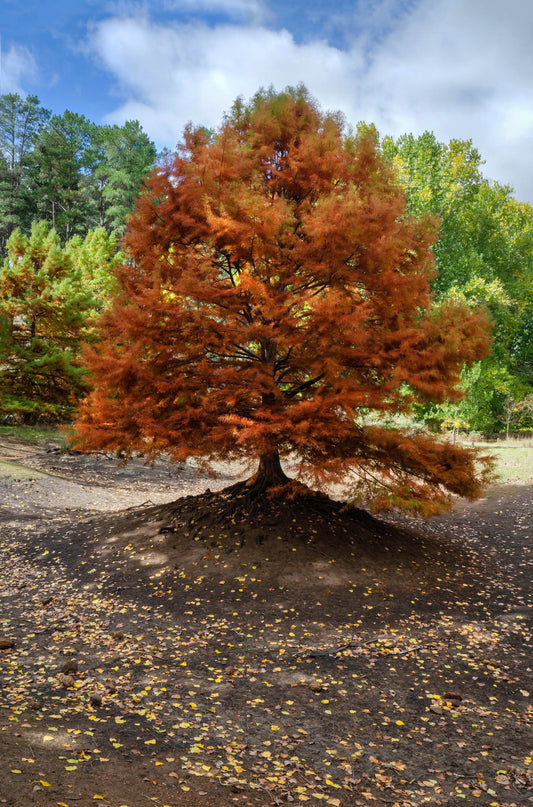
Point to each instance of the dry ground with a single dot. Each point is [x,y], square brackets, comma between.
[312,656]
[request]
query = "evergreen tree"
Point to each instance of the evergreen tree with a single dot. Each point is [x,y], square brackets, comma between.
[47,303]
[67,170]
[21,120]
[59,174]
[128,156]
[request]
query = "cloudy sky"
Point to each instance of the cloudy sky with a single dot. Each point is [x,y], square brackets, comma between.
[460,68]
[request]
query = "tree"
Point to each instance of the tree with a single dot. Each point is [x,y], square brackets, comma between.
[96,257]
[21,120]
[47,302]
[67,170]
[59,174]
[276,303]
[127,156]
[484,254]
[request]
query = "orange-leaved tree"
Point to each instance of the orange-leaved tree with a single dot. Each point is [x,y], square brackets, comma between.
[277,304]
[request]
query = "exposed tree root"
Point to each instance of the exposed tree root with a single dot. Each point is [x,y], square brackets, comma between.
[257,511]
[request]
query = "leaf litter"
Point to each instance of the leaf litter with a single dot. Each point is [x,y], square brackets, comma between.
[148,666]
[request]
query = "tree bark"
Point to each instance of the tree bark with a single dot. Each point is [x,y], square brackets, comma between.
[269,474]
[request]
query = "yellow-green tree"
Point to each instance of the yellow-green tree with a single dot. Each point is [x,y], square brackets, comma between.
[48,297]
[484,256]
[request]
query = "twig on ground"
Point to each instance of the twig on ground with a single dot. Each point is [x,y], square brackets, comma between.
[138,506]
[332,651]
[411,649]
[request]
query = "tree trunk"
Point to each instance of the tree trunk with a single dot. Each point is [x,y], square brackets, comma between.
[270,469]
[269,474]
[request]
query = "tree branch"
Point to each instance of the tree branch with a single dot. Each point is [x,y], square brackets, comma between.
[305,385]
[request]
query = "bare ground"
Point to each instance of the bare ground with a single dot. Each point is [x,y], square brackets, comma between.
[167,653]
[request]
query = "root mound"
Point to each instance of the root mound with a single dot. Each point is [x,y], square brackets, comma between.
[241,514]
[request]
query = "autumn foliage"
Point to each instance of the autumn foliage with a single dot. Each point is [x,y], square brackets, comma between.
[277,304]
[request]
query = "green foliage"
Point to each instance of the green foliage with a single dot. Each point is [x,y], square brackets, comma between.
[21,121]
[484,256]
[67,170]
[48,297]
[57,173]
[96,256]
[127,156]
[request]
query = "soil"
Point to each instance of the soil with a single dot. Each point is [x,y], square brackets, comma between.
[160,645]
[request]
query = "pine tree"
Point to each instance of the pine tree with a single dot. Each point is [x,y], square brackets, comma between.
[45,307]
[21,121]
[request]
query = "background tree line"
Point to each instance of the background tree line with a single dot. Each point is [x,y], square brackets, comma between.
[66,170]
[484,255]
[67,186]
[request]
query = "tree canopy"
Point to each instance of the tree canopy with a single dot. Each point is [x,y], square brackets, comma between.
[484,255]
[277,303]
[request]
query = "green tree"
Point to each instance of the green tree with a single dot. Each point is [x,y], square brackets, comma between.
[127,156]
[484,254]
[67,170]
[21,121]
[47,304]
[60,164]
[96,257]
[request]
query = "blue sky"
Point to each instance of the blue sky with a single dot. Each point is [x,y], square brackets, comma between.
[460,68]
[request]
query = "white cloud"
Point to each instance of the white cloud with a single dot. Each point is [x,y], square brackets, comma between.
[461,68]
[16,65]
[194,72]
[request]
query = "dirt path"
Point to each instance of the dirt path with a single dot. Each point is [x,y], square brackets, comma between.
[150,667]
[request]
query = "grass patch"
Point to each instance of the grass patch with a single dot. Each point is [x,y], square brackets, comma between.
[12,470]
[33,434]
[514,459]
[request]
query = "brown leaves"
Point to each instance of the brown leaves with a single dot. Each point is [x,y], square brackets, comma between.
[277,293]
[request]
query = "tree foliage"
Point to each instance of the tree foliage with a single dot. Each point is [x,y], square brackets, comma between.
[21,121]
[57,175]
[49,296]
[127,157]
[484,255]
[276,299]
[67,170]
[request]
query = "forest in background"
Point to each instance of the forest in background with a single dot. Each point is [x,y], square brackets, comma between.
[67,186]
